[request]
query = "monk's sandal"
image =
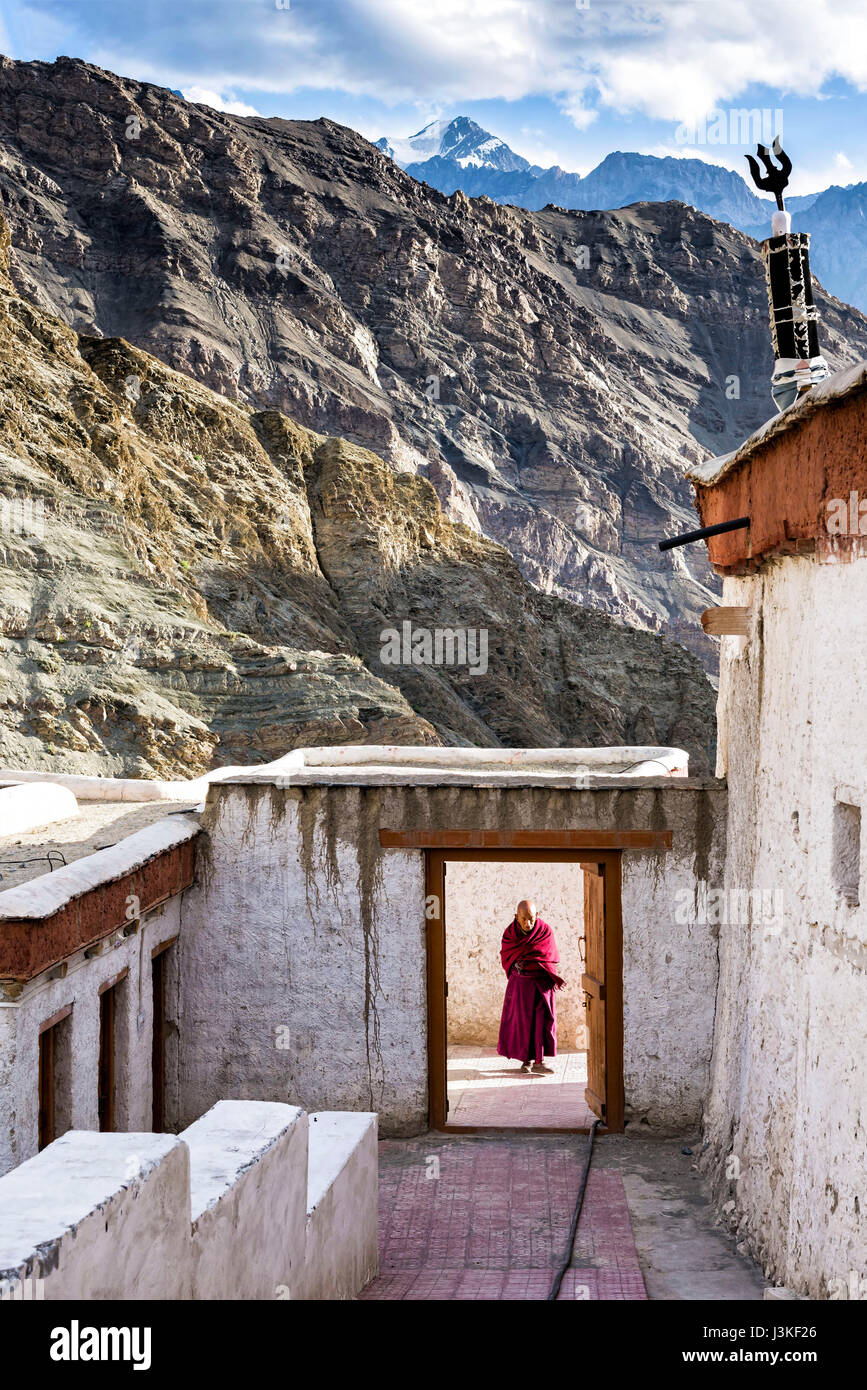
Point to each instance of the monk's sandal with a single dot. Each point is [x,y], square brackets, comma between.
[526,1067]
[540,1067]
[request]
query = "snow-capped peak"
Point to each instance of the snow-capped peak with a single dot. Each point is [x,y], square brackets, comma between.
[460,139]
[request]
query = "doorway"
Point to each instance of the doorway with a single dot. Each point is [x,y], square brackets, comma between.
[577,891]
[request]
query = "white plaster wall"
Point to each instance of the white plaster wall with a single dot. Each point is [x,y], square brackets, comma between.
[303,965]
[22,1016]
[481,899]
[100,1216]
[41,803]
[788,1104]
[303,954]
[343,1205]
[670,972]
[232,1209]
[248,1178]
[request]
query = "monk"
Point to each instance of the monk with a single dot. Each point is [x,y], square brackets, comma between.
[528,1027]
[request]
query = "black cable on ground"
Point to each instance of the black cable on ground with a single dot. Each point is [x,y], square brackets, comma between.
[38,859]
[558,1277]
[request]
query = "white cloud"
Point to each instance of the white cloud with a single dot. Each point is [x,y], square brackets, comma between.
[839,169]
[664,59]
[580,115]
[532,144]
[203,96]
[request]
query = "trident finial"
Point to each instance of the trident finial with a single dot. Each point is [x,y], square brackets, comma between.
[774,180]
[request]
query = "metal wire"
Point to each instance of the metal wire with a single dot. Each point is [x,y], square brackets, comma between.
[38,859]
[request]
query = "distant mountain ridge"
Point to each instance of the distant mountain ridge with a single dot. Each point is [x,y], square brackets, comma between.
[460,154]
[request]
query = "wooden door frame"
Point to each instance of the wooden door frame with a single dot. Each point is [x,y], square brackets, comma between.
[609,861]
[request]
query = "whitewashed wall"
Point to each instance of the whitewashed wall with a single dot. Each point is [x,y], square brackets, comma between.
[342,1248]
[99,1216]
[303,971]
[248,1200]
[235,1207]
[787,1116]
[22,1016]
[303,961]
[481,899]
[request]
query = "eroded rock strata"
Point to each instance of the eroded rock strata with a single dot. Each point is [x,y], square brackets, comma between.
[188,581]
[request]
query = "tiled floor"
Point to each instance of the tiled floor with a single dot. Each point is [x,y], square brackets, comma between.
[488,1218]
[487,1090]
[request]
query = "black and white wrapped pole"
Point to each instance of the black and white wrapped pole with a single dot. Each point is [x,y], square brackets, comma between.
[798,363]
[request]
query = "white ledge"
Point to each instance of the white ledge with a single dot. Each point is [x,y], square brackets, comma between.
[44,896]
[370,763]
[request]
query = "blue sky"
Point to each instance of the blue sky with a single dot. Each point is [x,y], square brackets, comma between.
[562,82]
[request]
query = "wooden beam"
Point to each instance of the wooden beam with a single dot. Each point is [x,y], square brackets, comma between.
[726,622]
[525,839]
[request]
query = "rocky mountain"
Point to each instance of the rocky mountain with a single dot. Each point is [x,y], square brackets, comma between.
[836,217]
[186,581]
[837,223]
[550,373]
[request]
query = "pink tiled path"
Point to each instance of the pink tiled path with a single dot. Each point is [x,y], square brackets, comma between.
[487,1090]
[488,1218]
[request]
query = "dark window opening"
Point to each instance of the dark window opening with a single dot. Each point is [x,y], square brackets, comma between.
[164,1035]
[108,1012]
[55,1076]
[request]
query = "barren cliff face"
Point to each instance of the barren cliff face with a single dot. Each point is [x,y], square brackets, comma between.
[550,373]
[186,581]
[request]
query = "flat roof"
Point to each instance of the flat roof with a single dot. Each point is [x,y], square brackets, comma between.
[421,765]
[851,382]
[99,824]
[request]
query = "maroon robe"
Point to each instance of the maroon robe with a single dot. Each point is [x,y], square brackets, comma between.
[528,1027]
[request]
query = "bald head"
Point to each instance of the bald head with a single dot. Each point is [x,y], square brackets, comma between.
[525,914]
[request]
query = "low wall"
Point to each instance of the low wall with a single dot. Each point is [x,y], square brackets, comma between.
[227,1210]
[315,985]
[99,1216]
[41,803]
[480,903]
[248,1196]
[342,1252]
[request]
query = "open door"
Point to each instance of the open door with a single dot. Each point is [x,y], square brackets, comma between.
[602,981]
[603,989]
[593,985]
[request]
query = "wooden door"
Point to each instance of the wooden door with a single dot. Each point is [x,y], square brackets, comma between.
[603,990]
[47,1125]
[435,936]
[593,984]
